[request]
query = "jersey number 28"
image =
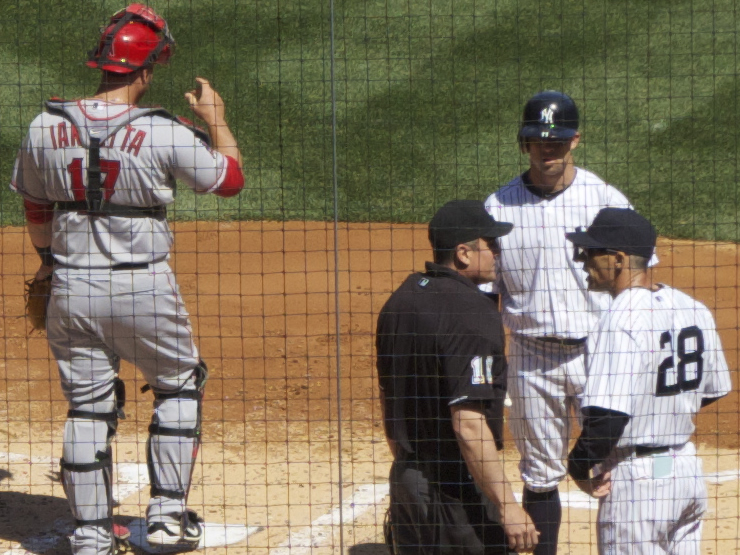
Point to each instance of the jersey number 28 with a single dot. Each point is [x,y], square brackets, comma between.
[672,377]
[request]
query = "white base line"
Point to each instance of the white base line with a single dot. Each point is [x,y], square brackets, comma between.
[130,478]
[214,535]
[716,478]
[319,532]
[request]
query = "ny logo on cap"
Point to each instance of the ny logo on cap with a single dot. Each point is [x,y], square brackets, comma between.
[546,115]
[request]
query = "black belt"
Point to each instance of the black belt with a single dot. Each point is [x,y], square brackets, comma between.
[563,341]
[130,266]
[645,451]
[115,267]
[111,209]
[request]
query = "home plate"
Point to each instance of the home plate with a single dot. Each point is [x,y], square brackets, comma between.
[214,535]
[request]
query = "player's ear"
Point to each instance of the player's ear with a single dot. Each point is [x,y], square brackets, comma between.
[462,256]
[146,74]
[619,259]
[575,141]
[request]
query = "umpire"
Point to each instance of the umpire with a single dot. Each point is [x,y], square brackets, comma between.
[442,373]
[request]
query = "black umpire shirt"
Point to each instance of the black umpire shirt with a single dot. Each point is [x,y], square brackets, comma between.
[440,342]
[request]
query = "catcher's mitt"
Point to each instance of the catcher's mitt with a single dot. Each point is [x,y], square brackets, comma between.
[37,297]
[388,531]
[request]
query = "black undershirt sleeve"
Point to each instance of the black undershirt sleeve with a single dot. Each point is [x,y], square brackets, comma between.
[708,401]
[602,429]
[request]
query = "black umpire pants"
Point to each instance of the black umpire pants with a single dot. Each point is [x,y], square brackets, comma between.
[430,519]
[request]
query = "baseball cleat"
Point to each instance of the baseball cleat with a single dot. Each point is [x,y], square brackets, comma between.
[121,535]
[186,533]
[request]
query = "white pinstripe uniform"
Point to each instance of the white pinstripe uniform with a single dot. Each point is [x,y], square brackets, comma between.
[655,356]
[545,294]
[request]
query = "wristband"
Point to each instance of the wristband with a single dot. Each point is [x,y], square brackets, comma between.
[47,259]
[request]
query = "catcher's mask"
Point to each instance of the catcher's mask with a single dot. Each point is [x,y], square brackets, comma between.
[135,37]
[549,115]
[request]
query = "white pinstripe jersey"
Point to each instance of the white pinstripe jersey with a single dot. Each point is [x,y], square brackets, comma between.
[544,292]
[655,356]
[139,165]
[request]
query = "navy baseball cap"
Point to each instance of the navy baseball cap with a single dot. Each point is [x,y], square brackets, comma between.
[461,221]
[618,229]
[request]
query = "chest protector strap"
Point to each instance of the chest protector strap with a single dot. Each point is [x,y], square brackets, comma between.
[94,203]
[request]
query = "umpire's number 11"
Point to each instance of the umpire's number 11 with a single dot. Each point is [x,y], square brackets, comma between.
[482,370]
[680,382]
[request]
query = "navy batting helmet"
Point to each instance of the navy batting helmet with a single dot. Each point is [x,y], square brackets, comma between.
[549,115]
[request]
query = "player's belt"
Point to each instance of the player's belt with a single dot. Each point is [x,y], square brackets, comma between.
[130,266]
[111,209]
[563,341]
[645,451]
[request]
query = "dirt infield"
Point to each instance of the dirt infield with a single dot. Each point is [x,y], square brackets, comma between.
[261,296]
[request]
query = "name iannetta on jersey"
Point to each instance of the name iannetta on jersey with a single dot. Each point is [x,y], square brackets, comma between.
[64,135]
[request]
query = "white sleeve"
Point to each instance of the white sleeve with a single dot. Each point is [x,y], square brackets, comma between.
[612,359]
[717,382]
[27,178]
[202,168]
[617,200]
[492,207]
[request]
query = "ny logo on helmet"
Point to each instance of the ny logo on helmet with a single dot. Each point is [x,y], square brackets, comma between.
[546,115]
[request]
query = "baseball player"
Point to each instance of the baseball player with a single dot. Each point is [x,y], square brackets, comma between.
[654,361]
[545,300]
[442,369]
[96,175]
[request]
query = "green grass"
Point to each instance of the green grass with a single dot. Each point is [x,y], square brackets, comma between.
[429,94]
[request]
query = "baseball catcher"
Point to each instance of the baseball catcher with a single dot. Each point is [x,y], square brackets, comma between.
[96,175]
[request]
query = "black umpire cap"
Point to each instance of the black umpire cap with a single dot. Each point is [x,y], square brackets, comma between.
[618,229]
[461,221]
[549,115]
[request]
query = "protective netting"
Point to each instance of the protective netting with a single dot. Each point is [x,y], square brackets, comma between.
[357,120]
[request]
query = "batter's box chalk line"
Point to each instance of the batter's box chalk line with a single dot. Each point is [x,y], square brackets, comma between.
[319,533]
[214,535]
[130,478]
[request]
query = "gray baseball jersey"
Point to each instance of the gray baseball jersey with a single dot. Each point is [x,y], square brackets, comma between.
[140,160]
[113,294]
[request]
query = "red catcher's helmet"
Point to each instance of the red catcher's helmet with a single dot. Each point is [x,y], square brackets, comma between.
[136,37]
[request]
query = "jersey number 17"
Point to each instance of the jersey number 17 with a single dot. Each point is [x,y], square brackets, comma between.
[686,375]
[111,169]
